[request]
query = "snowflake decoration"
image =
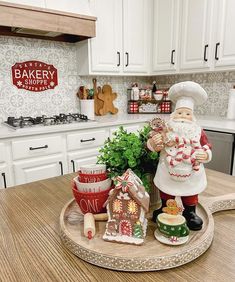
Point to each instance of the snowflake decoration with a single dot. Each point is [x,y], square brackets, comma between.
[132,207]
[117,206]
[19,83]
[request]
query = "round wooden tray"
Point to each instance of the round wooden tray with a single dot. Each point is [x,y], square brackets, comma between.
[150,256]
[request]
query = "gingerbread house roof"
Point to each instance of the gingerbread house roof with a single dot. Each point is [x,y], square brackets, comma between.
[134,187]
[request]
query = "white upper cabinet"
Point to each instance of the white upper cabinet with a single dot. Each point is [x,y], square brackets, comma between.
[224,43]
[72,6]
[136,36]
[106,47]
[165,35]
[196,31]
[122,42]
[35,3]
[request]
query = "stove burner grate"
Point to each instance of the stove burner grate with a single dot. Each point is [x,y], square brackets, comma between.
[22,122]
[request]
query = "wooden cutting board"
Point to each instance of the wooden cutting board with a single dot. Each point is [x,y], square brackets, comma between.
[107,96]
[98,103]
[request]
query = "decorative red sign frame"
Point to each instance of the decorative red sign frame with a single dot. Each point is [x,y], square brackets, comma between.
[34,76]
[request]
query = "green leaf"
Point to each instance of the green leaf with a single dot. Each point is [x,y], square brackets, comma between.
[129,150]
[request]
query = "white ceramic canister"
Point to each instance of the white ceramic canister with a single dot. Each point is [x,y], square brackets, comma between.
[135,93]
[87,107]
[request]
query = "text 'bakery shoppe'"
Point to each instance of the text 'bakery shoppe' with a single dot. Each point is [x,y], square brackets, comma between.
[34,76]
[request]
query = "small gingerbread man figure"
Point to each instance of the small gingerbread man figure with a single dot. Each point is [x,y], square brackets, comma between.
[171,207]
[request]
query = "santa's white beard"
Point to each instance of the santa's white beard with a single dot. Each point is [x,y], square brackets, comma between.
[185,128]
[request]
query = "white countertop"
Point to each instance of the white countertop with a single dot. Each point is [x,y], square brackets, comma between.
[210,123]
[217,124]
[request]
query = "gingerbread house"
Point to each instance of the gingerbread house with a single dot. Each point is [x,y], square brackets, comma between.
[127,206]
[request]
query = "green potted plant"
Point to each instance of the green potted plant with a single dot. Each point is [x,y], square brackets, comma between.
[128,150]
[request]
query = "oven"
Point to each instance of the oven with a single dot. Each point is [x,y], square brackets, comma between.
[222,151]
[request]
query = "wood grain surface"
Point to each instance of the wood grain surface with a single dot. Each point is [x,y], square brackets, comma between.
[31,249]
[13,15]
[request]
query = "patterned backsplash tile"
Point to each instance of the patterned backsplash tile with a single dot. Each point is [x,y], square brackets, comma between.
[63,99]
[216,84]
[17,102]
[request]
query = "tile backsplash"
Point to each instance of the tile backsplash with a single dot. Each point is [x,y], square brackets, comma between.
[17,102]
[63,99]
[216,84]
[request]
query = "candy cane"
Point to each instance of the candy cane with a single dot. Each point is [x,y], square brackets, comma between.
[180,156]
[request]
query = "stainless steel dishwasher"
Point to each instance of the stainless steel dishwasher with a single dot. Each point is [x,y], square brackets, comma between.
[222,151]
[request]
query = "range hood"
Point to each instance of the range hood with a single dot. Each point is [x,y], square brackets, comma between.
[34,22]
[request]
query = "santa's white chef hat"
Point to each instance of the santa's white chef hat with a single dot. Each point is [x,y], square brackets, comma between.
[186,94]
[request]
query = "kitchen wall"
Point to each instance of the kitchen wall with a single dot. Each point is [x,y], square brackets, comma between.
[17,102]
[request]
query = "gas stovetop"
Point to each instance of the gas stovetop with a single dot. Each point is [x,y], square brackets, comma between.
[44,120]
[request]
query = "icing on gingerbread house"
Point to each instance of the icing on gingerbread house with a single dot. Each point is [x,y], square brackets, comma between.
[127,206]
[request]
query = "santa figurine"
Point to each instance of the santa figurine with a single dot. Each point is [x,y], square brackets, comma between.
[184,148]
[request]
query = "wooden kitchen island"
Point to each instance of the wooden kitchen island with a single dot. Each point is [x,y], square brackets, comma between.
[31,248]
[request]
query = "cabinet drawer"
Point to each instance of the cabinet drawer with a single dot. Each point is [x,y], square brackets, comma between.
[36,147]
[85,140]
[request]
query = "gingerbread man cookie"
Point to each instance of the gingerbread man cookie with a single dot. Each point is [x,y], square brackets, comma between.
[171,207]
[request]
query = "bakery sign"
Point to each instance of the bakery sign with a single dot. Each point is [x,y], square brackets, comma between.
[34,76]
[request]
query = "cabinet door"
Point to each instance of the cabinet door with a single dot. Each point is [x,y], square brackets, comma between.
[106,47]
[136,35]
[83,157]
[72,6]
[36,3]
[165,35]
[5,180]
[40,168]
[5,167]
[224,45]
[196,32]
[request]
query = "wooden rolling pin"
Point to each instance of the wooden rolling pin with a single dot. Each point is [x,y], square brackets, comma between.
[89,225]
